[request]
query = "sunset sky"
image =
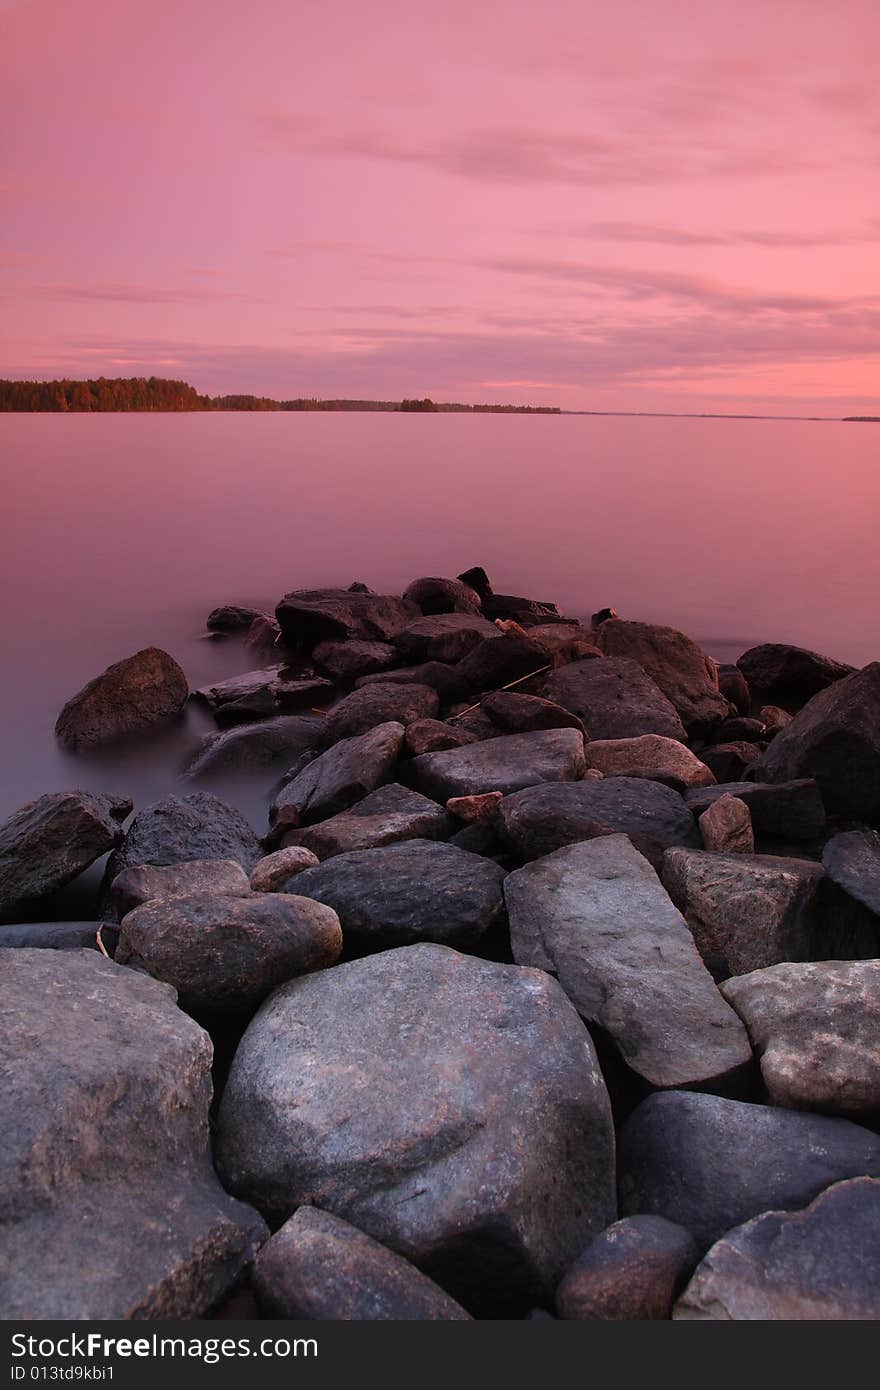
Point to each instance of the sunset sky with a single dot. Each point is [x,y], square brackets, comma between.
[629,205]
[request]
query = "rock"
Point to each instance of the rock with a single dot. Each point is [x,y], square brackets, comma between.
[820,1263]
[363,709]
[446,637]
[735,688]
[500,764]
[346,661]
[709,1163]
[687,677]
[442,596]
[615,698]
[498,662]
[232,618]
[852,861]
[631,1272]
[59,936]
[435,736]
[784,811]
[816,1030]
[520,714]
[309,616]
[774,719]
[446,680]
[281,696]
[262,704]
[480,837]
[746,911]
[471,725]
[263,681]
[789,676]
[182,828]
[130,697]
[835,739]
[473,808]
[111,1206]
[415,890]
[263,635]
[417,1144]
[740,731]
[543,819]
[602,616]
[265,745]
[271,874]
[726,827]
[728,761]
[338,778]
[651,756]
[384,817]
[224,952]
[523,610]
[596,916]
[564,641]
[143,883]
[47,843]
[321,1268]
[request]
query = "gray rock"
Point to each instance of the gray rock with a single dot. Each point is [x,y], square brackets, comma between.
[231,618]
[345,661]
[417,890]
[322,1268]
[615,698]
[789,676]
[235,688]
[382,1089]
[47,843]
[500,764]
[225,952]
[822,1263]
[631,1272]
[59,936]
[111,1206]
[494,663]
[852,861]
[145,882]
[309,616]
[182,828]
[387,815]
[687,677]
[265,745]
[132,696]
[709,1163]
[746,911]
[363,709]
[338,778]
[816,1029]
[450,685]
[271,874]
[445,637]
[785,811]
[442,596]
[520,714]
[540,820]
[596,916]
[651,756]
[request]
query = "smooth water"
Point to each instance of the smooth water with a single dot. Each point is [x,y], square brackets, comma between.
[123,531]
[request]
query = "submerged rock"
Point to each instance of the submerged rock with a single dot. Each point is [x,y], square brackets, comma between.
[615,698]
[47,843]
[500,764]
[273,742]
[232,618]
[130,697]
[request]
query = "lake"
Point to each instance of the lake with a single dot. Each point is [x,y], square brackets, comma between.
[123,531]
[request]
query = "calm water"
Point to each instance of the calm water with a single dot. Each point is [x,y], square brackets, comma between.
[123,531]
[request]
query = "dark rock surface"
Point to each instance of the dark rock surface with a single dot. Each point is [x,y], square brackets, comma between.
[346,661]
[231,618]
[309,616]
[495,663]
[735,688]
[59,936]
[651,756]
[445,679]
[273,742]
[131,697]
[779,674]
[435,736]
[852,861]
[540,820]
[615,698]
[47,843]
[729,761]
[387,815]
[445,637]
[500,764]
[442,596]
[784,811]
[687,677]
[520,714]
[363,709]
[631,1272]
[144,882]
[338,778]
[263,680]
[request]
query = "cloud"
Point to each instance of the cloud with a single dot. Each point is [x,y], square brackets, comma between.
[132,293]
[641,232]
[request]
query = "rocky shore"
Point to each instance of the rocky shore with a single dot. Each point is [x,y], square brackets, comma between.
[551,986]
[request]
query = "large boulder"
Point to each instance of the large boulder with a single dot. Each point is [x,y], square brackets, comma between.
[496,663]
[182,828]
[278,869]
[143,883]
[781,811]
[651,756]
[709,1163]
[338,778]
[836,739]
[344,662]
[816,1029]
[130,697]
[111,1206]
[255,746]
[442,596]
[500,764]
[822,1263]
[596,916]
[615,698]
[309,616]
[779,674]
[539,820]
[746,911]
[687,677]
[387,815]
[445,637]
[382,1088]
[363,709]
[417,890]
[852,861]
[630,1273]
[224,952]
[47,843]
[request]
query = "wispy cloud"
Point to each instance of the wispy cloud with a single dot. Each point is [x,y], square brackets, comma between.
[648,234]
[133,293]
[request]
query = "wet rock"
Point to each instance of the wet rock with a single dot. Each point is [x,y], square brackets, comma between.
[346,661]
[182,828]
[740,731]
[596,916]
[59,936]
[474,808]
[231,618]
[615,698]
[384,817]
[143,883]
[262,682]
[273,872]
[726,827]
[822,1263]
[709,1163]
[522,610]
[363,709]
[779,674]
[269,744]
[446,637]
[500,764]
[729,761]
[224,952]
[539,820]
[651,756]
[631,1272]
[784,811]
[498,662]
[47,843]
[471,725]
[816,1029]
[111,1206]
[564,641]
[449,684]
[687,677]
[263,635]
[852,861]
[745,911]
[415,890]
[443,596]
[321,1268]
[338,778]
[130,697]
[309,616]
[773,718]
[735,688]
[520,714]
[435,736]
[492,1200]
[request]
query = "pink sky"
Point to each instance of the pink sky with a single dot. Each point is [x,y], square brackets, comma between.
[660,206]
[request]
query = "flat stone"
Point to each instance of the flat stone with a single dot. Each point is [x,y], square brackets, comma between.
[615,698]
[235,688]
[384,817]
[444,637]
[816,1029]
[495,663]
[435,736]
[596,916]
[726,827]
[687,677]
[58,936]
[632,1272]
[789,676]
[364,709]
[270,875]
[382,1087]
[49,842]
[265,745]
[710,1164]
[445,679]
[500,764]
[852,861]
[309,616]
[145,882]
[784,811]
[345,661]
[473,808]
[338,778]
[132,696]
[650,756]
[520,714]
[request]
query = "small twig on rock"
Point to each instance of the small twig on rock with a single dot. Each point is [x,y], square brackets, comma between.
[101,947]
[510,684]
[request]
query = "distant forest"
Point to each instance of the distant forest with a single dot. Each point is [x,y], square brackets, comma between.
[155,393]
